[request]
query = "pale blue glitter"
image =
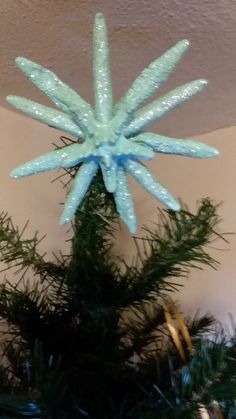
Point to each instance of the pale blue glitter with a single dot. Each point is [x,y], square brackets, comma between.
[112,137]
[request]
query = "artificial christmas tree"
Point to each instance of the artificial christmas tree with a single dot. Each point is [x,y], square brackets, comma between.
[88,335]
[93,337]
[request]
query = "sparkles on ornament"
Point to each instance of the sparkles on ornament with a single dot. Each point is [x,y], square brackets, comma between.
[112,136]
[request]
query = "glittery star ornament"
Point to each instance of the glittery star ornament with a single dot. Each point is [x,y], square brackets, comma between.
[112,136]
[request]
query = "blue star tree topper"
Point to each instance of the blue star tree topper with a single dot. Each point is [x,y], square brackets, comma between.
[111,137]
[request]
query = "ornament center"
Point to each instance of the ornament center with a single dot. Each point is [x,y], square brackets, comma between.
[104,135]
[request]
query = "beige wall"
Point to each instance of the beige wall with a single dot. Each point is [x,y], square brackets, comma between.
[38,200]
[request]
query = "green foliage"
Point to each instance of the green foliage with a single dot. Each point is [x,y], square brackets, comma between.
[195,384]
[87,336]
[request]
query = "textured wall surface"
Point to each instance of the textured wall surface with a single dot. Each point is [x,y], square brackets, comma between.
[57,34]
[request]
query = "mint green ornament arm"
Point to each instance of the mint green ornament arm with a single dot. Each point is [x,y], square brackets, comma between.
[160,107]
[101,71]
[111,137]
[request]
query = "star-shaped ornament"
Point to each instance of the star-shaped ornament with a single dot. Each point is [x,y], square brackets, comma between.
[111,137]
